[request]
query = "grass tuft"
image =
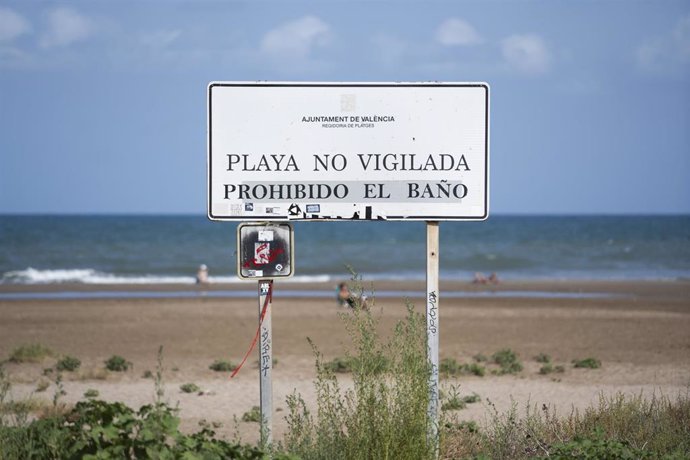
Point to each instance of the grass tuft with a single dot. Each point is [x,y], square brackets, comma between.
[587,363]
[222,366]
[117,363]
[31,353]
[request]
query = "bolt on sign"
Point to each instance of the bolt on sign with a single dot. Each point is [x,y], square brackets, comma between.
[265,251]
[348,151]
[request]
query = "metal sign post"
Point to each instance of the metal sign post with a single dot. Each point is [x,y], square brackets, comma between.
[432,327]
[266,361]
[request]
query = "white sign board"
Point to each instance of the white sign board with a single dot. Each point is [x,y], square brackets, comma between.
[327,151]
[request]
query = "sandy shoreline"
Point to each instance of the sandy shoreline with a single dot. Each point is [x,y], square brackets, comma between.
[640,334]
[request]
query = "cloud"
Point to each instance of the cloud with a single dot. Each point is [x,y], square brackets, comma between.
[455,32]
[65,26]
[527,54]
[666,53]
[12,25]
[296,39]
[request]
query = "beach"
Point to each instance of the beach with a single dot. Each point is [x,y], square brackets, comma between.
[639,330]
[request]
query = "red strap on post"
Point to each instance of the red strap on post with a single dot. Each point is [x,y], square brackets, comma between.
[258,329]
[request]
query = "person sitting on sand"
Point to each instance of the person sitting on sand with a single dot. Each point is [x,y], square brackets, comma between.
[479,278]
[346,299]
[202,274]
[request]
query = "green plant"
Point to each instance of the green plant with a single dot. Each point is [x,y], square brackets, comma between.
[549,368]
[252,415]
[222,366]
[619,426]
[339,364]
[117,363]
[68,363]
[508,362]
[587,363]
[31,353]
[471,399]
[480,358]
[542,358]
[450,367]
[91,393]
[454,401]
[42,386]
[190,388]
[384,414]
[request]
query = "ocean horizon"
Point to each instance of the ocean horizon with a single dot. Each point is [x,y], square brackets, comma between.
[168,248]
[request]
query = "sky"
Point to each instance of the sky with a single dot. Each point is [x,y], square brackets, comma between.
[103,103]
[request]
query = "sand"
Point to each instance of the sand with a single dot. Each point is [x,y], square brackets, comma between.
[639,330]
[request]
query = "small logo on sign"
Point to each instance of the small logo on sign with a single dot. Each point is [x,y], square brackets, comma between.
[313,208]
[279,267]
[294,210]
[249,207]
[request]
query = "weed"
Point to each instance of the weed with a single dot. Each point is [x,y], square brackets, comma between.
[508,361]
[42,386]
[542,358]
[147,374]
[384,414]
[91,393]
[480,358]
[339,364]
[450,367]
[222,366]
[454,401]
[68,363]
[31,353]
[190,388]
[252,415]
[549,368]
[471,399]
[618,427]
[587,363]
[117,363]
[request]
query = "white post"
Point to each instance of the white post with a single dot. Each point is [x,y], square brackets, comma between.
[266,362]
[432,327]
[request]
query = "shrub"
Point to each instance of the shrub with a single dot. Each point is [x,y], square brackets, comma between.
[97,429]
[253,415]
[587,363]
[542,358]
[147,374]
[91,393]
[68,363]
[549,368]
[508,362]
[384,414]
[190,388]
[42,386]
[117,363]
[618,427]
[31,353]
[339,364]
[222,366]
[450,367]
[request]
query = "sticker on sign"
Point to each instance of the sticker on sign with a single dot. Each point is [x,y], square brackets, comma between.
[348,151]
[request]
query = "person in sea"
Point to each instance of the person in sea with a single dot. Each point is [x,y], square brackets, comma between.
[202,274]
[346,299]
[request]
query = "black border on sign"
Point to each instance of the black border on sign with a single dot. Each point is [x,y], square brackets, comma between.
[350,85]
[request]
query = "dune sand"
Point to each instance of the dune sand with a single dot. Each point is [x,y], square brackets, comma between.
[639,330]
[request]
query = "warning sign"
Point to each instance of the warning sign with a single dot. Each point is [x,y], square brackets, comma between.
[265,251]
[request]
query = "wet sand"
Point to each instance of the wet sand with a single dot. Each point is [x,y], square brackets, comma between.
[639,330]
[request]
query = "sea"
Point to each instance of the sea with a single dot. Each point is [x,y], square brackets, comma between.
[141,249]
